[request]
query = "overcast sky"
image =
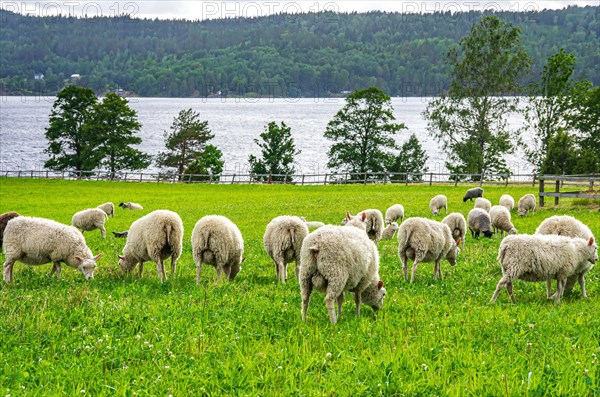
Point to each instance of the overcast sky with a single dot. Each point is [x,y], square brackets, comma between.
[226,8]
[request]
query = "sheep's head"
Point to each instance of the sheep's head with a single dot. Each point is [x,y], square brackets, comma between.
[522,211]
[513,231]
[359,221]
[127,263]
[488,233]
[235,269]
[87,265]
[453,253]
[594,248]
[373,295]
[435,212]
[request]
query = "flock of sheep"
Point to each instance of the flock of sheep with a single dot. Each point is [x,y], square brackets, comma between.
[331,259]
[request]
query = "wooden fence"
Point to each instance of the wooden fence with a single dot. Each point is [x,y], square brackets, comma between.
[565,181]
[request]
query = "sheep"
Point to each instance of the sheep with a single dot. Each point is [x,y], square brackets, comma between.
[424,240]
[153,237]
[217,241]
[109,208]
[437,203]
[90,219]
[131,206]
[389,231]
[507,201]
[283,240]
[500,217]
[394,213]
[473,193]
[526,204]
[479,221]
[335,259]
[374,223]
[458,226]
[543,258]
[37,241]
[4,218]
[564,225]
[483,203]
[312,224]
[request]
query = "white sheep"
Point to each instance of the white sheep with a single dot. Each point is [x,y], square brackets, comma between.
[500,218]
[312,224]
[283,240]
[437,203]
[458,226]
[154,237]
[37,241]
[473,193]
[109,208]
[217,241]
[507,201]
[543,258]
[131,206]
[526,204]
[394,213]
[374,223]
[564,225]
[335,259]
[483,203]
[424,240]
[389,231]
[479,221]
[90,219]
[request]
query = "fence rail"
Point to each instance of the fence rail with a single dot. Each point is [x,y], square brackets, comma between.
[561,181]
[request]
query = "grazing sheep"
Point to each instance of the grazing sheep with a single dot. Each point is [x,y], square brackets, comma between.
[424,240]
[90,219]
[283,240]
[217,241]
[507,201]
[374,223]
[479,221]
[526,204]
[312,224]
[458,226]
[153,237]
[543,258]
[500,218]
[109,208]
[131,206]
[564,225]
[37,241]
[483,203]
[4,218]
[394,213]
[336,259]
[437,203]
[121,234]
[389,231]
[473,193]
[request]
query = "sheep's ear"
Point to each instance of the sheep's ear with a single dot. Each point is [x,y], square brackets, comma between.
[458,243]
[591,242]
[380,284]
[348,216]
[364,216]
[121,257]
[243,259]
[314,250]
[79,259]
[97,257]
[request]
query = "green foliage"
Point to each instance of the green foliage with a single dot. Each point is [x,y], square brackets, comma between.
[363,132]
[584,119]
[411,159]
[470,120]
[561,155]
[69,146]
[208,166]
[277,151]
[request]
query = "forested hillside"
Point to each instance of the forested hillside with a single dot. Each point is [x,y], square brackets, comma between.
[283,55]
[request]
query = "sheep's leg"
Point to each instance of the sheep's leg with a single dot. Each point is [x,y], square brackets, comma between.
[548,288]
[340,301]
[103,231]
[198,271]
[281,270]
[227,271]
[297,270]
[414,269]
[305,292]
[219,272]
[509,289]
[438,267]
[333,291]
[560,287]
[404,259]
[173,265]
[140,269]
[277,269]
[357,303]
[56,269]
[581,280]
[160,268]
[504,281]
[8,268]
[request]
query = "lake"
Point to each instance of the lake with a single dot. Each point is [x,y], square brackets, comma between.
[235,122]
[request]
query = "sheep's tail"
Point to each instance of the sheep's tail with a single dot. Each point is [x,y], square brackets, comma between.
[501,253]
[403,238]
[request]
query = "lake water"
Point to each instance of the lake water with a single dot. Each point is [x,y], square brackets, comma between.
[235,122]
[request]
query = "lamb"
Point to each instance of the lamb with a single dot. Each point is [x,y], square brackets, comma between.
[389,231]
[437,203]
[90,219]
[217,241]
[374,223]
[394,213]
[109,208]
[312,224]
[543,258]
[479,221]
[473,193]
[483,203]
[4,218]
[507,201]
[526,204]
[500,218]
[283,240]
[424,240]
[153,237]
[458,226]
[131,206]
[564,225]
[336,259]
[37,241]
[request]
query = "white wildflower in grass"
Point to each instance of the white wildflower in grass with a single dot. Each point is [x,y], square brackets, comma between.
[138,337]
[425,367]
[328,356]
[531,326]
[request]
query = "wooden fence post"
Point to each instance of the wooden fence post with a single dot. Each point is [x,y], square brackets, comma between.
[557,191]
[430,178]
[233,179]
[541,191]
[302,179]
[325,181]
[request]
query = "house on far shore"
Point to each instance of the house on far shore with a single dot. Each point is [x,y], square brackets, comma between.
[38,76]
[75,76]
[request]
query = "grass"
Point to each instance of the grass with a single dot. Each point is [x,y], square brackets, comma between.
[125,336]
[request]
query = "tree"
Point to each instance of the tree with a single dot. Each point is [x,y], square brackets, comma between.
[470,120]
[584,119]
[561,155]
[69,144]
[208,166]
[411,160]
[277,151]
[114,126]
[363,132]
[186,142]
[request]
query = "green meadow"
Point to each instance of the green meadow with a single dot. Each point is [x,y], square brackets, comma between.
[123,336]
